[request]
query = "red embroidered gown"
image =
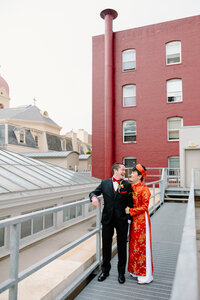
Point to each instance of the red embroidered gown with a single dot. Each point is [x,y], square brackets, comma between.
[137,234]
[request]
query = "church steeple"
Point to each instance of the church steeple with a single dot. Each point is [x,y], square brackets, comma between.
[4,94]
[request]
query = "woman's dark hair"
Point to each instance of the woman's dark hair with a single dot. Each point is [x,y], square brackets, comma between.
[139,173]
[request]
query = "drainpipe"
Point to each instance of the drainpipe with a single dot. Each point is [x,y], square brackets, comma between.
[108,15]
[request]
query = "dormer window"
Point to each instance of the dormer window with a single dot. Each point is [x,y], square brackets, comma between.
[63,144]
[22,137]
[36,140]
[20,134]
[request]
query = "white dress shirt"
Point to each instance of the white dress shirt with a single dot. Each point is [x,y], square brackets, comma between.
[115,185]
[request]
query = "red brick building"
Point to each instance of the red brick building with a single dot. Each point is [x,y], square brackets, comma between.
[146,85]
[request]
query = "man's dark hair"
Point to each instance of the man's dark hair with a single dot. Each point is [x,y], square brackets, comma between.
[139,173]
[116,166]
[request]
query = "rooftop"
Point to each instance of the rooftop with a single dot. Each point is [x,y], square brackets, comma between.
[28,112]
[84,156]
[19,173]
[48,154]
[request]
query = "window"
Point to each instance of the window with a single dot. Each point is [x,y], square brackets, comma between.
[129,95]
[2,232]
[2,237]
[63,144]
[72,212]
[129,162]
[36,140]
[1,106]
[173,53]
[37,224]
[129,131]
[90,208]
[173,126]
[174,90]
[129,60]
[174,165]
[22,137]
[26,228]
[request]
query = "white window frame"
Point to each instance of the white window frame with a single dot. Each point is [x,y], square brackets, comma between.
[32,224]
[125,60]
[63,144]
[22,133]
[173,171]
[129,157]
[170,130]
[5,233]
[67,212]
[128,121]
[167,47]
[175,94]
[36,138]
[124,91]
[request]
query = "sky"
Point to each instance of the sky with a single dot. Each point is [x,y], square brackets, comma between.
[46,49]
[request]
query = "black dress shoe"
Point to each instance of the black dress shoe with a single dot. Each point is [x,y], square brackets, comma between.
[103,276]
[121,278]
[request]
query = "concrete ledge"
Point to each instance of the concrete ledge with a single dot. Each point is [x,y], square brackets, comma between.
[49,281]
[186,278]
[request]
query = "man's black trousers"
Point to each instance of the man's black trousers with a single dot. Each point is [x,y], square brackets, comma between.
[107,234]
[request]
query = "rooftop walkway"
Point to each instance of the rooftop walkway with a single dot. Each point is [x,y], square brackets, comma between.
[167,226]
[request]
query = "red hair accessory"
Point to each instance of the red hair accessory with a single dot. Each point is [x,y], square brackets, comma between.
[140,168]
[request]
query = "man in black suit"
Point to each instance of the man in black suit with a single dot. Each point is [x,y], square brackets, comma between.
[117,196]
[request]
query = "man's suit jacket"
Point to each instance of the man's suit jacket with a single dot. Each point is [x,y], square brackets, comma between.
[114,202]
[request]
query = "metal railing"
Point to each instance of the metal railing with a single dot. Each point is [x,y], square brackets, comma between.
[158,197]
[14,223]
[152,174]
[186,277]
[173,175]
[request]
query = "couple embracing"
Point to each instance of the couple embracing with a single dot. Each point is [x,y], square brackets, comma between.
[126,203]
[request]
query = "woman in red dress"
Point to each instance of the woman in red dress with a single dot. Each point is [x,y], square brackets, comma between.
[140,264]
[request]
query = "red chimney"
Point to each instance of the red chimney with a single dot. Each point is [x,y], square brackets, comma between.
[108,15]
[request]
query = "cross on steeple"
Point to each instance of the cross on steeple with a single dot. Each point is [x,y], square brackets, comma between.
[34,101]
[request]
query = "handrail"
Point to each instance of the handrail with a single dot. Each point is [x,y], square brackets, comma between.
[15,277]
[186,278]
[13,223]
[161,192]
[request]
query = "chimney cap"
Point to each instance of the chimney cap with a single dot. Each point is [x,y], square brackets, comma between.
[109,11]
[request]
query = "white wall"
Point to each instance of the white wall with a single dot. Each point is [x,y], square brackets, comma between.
[13,208]
[189,140]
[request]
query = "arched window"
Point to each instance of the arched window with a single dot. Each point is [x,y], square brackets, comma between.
[129,95]
[129,131]
[173,126]
[129,60]
[1,106]
[173,53]
[174,90]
